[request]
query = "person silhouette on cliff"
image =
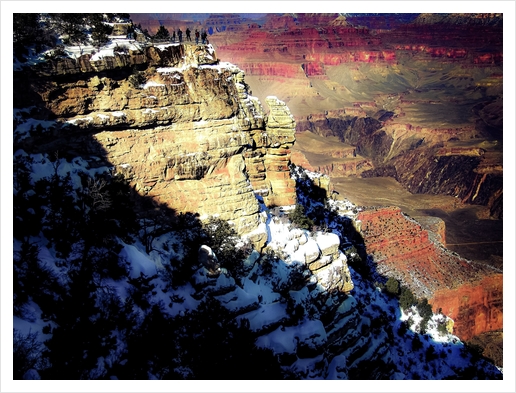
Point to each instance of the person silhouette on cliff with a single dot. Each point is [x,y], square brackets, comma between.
[196,36]
[203,37]
[188,38]
[173,36]
[180,35]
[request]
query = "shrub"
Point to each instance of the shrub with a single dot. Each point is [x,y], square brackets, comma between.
[425,310]
[431,354]
[27,352]
[299,218]
[392,285]
[227,245]
[441,328]
[141,290]
[407,298]
[268,260]
[402,330]
[137,79]
[416,343]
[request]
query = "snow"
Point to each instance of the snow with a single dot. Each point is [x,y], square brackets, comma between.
[165,46]
[237,300]
[260,290]
[347,305]
[280,341]
[311,250]
[109,49]
[31,375]
[286,339]
[220,67]
[152,84]
[327,241]
[311,368]
[300,297]
[80,120]
[327,273]
[22,130]
[140,263]
[150,110]
[264,316]
[169,70]
[42,168]
[338,368]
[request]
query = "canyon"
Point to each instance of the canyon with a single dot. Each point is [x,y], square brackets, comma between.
[400,95]
[417,99]
[469,293]
[396,121]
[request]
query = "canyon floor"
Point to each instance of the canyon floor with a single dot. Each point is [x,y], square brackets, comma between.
[484,244]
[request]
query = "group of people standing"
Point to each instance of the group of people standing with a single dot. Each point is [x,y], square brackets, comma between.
[202,35]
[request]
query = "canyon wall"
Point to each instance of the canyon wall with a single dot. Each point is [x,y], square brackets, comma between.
[470,294]
[187,133]
[396,88]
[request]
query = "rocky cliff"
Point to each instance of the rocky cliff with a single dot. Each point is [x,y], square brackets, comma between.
[180,125]
[388,86]
[470,294]
[470,174]
[182,128]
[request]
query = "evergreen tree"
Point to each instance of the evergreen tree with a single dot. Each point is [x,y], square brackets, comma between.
[99,31]
[392,286]
[25,28]
[162,33]
[72,27]
[407,298]
[299,218]
[223,239]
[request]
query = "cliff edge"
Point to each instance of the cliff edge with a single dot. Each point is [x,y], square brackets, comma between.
[180,125]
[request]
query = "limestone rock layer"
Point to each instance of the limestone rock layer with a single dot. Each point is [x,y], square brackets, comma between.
[181,127]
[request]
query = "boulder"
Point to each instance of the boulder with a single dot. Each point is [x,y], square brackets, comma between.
[208,259]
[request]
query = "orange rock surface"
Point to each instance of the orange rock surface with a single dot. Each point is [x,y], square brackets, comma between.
[470,294]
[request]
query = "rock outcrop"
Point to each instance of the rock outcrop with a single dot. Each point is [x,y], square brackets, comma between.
[468,293]
[269,165]
[184,130]
[387,86]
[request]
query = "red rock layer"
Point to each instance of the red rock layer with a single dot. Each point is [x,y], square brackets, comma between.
[328,39]
[299,159]
[469,294]
[476,308]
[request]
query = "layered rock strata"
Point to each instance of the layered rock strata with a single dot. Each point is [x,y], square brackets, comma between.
[470,294]
[387,86]
[325,285]
[184,131]
[268,164]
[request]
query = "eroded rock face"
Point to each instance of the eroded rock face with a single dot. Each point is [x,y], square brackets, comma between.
[468,293]
[277,188]
[189,135]
[476,308]
[345,78]
[474,176]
